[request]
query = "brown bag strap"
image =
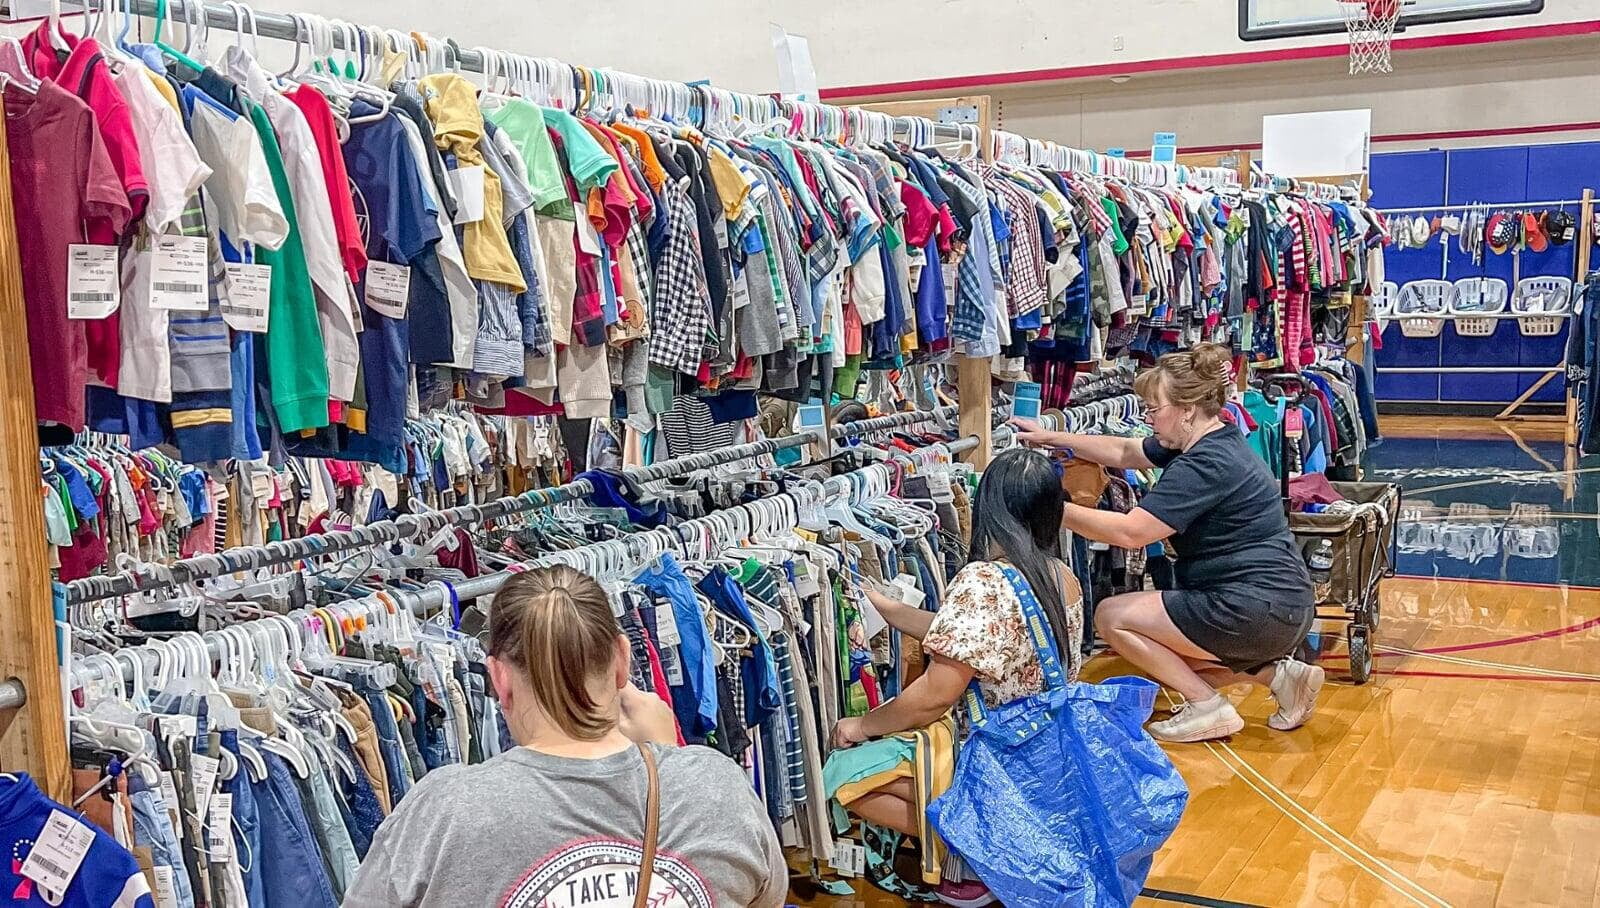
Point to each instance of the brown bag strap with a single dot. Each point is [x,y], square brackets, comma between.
[652,827]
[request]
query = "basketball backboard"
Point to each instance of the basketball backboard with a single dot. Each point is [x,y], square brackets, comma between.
[1262,19]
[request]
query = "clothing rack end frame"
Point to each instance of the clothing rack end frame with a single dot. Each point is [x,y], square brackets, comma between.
[33,738]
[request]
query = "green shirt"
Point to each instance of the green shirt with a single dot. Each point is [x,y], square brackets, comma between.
[524,124]
[589,164]
[297,367]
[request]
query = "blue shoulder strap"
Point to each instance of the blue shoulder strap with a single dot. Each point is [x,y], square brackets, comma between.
[1044,645]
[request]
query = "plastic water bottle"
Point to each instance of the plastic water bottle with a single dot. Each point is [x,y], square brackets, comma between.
[1320,563]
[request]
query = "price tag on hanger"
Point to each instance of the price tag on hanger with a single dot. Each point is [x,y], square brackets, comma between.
[388,288]
[906,586]
[203,773]
[671,666]
[466,184]
[948,272]
[94,283]
[58,853]
[667,626]
[219,829]
[166,892]
[178,277]
[249,297]
[805,581]
[169,794]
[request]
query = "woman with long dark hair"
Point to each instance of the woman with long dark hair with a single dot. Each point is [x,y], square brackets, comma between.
[978,633]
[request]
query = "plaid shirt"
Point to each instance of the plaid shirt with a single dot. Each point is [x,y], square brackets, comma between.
[1025,280]
[680,316]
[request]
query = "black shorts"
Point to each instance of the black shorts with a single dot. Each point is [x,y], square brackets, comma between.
[1244,631]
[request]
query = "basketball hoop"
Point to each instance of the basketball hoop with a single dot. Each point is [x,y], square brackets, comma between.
[1371,24]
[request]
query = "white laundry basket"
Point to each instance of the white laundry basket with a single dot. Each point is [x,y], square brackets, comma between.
[1473,298]
[1541,303]
[1380,306]
[1422,307]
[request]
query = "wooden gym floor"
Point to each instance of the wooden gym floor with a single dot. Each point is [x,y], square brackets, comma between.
[1467,771]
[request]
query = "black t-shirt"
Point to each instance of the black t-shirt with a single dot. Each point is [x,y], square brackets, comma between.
[1230,529]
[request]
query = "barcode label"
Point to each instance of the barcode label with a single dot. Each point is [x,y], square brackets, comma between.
[58,852]
[94,281]
[178,273]
[249,298]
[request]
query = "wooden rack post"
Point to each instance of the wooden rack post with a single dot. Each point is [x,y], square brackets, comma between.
[33,737]
[973,385]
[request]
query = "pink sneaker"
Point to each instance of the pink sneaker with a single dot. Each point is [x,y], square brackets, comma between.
[968,894]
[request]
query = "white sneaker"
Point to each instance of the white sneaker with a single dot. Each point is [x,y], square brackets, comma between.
[1295,685]
[1199,721]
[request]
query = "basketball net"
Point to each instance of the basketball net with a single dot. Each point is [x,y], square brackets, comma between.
[1371,25]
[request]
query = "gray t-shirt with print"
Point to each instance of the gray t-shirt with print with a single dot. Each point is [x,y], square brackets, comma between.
[528,830]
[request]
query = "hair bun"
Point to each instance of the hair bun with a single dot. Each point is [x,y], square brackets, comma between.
[1211,362]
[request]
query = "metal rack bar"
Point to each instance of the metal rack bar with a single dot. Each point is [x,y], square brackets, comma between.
[149,577]
[1519,204]
[436,595]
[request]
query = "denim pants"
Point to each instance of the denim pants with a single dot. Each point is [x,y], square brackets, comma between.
[247,827]
[152,829]
[394,755]
[429,730]
[365,811]
[327,827]
[291,868]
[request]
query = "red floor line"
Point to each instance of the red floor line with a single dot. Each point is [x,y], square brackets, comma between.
[1446,579]
[1481,677]
[1492,644]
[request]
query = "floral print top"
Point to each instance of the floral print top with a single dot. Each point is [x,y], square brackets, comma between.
[980,624]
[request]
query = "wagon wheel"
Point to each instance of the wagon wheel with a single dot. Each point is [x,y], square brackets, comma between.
[1360,653]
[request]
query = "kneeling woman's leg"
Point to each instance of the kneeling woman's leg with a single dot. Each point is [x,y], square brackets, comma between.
[1137,626]
[894,805]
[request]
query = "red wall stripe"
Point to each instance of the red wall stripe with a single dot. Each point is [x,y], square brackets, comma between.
[1489,132]
[1206,61]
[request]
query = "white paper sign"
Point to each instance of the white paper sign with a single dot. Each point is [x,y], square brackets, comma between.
[94,282]
[178,278]
[466,184]
[249,297]
[871,620]
[58,853]
[388,288]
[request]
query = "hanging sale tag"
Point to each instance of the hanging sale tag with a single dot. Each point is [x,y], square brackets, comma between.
[219,828]
[178,273]
[466,184]
[667,632]
[58,853]
[249,297]
[166,890]
[94,284]
[203,772]
[388,288]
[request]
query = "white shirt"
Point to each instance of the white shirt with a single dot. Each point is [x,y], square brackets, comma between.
[175,173]
[308,187]
[240,185]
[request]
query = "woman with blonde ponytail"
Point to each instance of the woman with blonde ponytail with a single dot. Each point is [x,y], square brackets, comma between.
[1243,600]
[596,805]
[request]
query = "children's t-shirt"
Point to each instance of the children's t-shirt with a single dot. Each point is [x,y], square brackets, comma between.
[108,875]
[62,176]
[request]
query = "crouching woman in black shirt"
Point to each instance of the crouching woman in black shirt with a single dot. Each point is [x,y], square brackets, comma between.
[1243,600]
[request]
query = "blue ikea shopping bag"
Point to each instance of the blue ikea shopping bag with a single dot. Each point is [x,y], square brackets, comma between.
[1061,798]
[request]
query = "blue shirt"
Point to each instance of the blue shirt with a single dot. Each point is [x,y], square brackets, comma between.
[402,224]
[694,701]
[108,871]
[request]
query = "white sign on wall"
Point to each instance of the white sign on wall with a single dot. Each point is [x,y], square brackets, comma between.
[797,76]
[1317,143]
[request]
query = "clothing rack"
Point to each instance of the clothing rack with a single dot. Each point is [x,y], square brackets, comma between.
[675,539]
[34,738]
[149,577]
